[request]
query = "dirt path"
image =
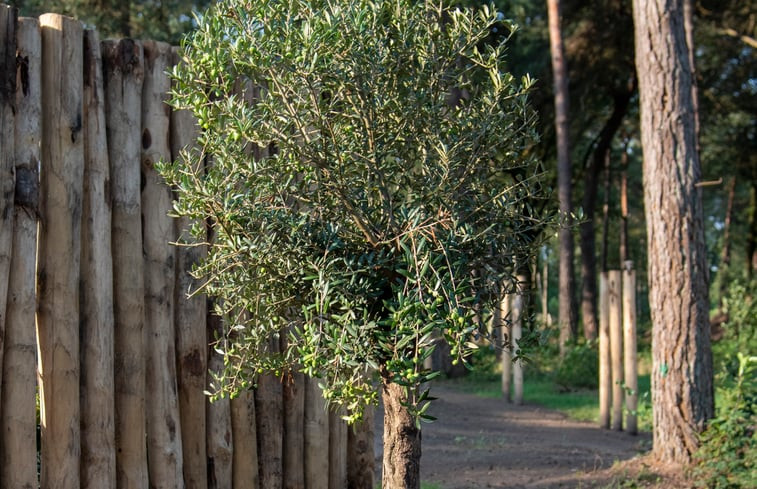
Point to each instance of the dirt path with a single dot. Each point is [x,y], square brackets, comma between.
[487,443]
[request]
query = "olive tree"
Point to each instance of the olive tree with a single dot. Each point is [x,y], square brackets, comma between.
[366,173]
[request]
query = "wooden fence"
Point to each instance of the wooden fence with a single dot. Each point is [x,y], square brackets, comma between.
[119,356]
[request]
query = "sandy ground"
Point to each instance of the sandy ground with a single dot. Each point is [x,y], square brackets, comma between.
[487,443]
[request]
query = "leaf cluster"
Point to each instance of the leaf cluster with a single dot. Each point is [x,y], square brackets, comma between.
[366,170]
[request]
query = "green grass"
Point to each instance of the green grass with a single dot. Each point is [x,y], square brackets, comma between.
[538,388]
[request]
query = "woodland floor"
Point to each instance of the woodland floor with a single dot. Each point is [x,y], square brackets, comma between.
[480,442]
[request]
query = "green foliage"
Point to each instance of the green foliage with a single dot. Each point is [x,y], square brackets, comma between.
[727,458]
[398,191]
[579,369]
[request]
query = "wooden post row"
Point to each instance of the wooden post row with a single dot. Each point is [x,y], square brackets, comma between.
[502,320]
[18,423]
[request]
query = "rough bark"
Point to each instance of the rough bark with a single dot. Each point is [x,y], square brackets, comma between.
[60,250]
[98,463]
[402,440]
[162,406]
[124,73]
[18,423]
[220,440]
[360,458]
[8,19]
[567,314]
[682,390]
[316,437]
[587,231]
[189,320]
[245,457]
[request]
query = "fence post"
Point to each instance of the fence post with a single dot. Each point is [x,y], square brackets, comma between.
[245,456]
[98,444]
[220,440]
[360,456]
[269,416]
[18,423]
[519,303]
[8,21]
[337,451]
[189,319]
[629,343]
[124,73]
[501,315]
[316,437]
[164,450]
[60,250]
[293,386]
[616,348]
[605,368]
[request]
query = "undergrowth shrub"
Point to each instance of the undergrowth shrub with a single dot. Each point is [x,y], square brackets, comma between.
[727,458]
[579,368]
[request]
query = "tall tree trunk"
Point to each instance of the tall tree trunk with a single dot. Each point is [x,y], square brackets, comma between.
[587,234]
[124,73]
[751,242]
[605,215]
[682,389]
[567,315]
[402,440]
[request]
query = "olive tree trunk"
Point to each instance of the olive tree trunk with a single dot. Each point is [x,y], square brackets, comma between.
[682,389]
[402,440]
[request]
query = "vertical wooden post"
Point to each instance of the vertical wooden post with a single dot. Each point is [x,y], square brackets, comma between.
[506,342]
[518,313]
[337,451]
[18,423]
[616,347]
[629,343]
[245,456]
[360,453]
[316,437]
[98,444]
[269,415]
[220,439]
[605,368]
[294,424]
[124,73]
[189,319]
[8,21]
[60,250]
[164,448]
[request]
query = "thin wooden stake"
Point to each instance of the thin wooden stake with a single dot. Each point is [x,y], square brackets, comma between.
[294,431]
[616,347]
[316,437]
[269,415]
[605,366]
[245,455]
[18,423]
[337,451]
[60,250]
[220,441]
[629,343]
[502,313]
[518,313]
